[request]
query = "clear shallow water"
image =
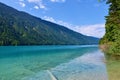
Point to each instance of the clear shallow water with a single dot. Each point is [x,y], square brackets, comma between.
[52,63]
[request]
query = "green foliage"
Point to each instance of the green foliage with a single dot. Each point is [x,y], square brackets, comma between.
[20,28]
[112,36]
[115,49]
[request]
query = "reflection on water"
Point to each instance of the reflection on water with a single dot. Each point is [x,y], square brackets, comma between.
[52,63]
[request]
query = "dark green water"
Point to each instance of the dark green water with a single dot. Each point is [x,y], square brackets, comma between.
[62,62]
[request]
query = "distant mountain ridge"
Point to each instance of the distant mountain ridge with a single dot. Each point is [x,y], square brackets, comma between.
[20,28]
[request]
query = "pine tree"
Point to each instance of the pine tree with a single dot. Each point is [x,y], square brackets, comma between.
[112,35]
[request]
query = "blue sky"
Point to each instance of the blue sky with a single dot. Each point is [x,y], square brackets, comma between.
[83,16]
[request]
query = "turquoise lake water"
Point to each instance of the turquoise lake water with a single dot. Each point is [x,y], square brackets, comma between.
[52,63]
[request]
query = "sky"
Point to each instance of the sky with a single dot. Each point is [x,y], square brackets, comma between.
[83,16]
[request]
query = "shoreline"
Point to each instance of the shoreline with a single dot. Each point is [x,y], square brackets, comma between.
[113,69]
[112,63]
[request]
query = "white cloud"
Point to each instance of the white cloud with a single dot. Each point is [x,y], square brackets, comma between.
[36,7]
[21,0]
[39,3]
[34,1]
[42,6]
[57,0]
[22,4]
[49,19]
[96,30]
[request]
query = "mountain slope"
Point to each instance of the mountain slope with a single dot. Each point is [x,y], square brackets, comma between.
[20,28]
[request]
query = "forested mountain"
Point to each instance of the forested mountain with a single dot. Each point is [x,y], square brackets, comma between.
[111,40]
[20,28]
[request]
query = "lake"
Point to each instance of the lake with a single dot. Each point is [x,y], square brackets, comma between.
[84,62]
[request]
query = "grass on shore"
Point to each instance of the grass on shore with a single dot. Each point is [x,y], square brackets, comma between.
[113,68]
[113,63]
